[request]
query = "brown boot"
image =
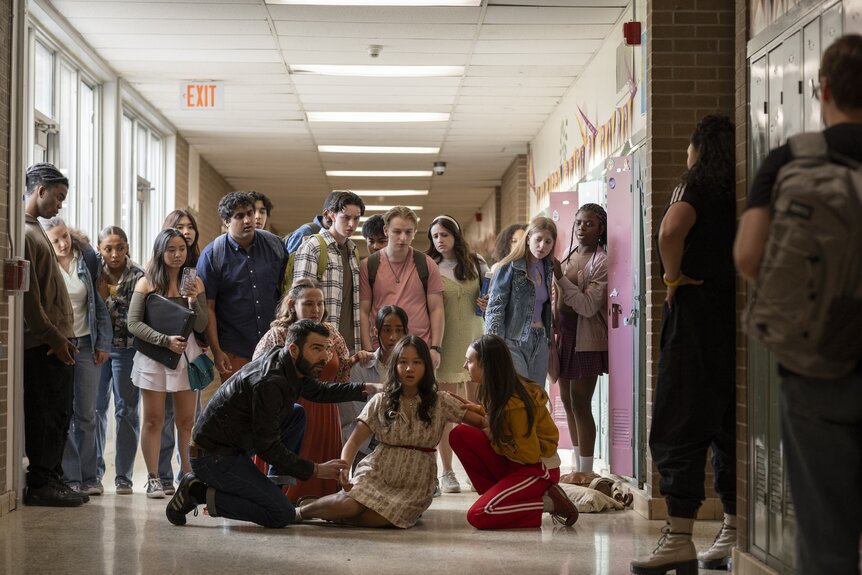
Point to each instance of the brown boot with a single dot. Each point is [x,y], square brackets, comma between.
[675,551]
[718,556]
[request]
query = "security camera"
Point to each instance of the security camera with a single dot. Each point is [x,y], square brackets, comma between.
[439,168]
[374,50]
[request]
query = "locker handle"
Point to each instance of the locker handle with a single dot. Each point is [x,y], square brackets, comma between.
[765,108]
[616,311]
[800,86]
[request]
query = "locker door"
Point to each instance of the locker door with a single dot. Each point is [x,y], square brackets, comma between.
[775,75]
[831,25]
[758,113]
[791,86]
[853,16]
[810,69]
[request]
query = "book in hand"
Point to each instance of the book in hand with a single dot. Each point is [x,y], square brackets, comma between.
[168,318]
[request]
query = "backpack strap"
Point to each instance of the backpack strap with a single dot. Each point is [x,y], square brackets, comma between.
[373,264]
[323,258]
[418,260]
[218,252]
[92,262]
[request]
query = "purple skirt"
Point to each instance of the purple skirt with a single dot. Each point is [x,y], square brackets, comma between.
[574,364]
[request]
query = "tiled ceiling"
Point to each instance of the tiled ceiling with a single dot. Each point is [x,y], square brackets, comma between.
[520,57]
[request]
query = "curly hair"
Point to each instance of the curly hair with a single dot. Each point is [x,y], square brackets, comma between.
[230,202]
[427,385]
[468,265]
[601,215]
[503,245]
[714,170]
[285,313]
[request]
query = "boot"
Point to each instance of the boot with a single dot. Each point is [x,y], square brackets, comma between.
[674,552]
[718,556]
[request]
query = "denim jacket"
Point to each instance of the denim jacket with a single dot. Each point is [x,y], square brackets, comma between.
[97,312]
[513,297]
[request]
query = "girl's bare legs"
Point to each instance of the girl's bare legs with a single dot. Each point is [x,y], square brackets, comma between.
[581,393]
[184,418]
[151,430]
[566,396]
[341,508]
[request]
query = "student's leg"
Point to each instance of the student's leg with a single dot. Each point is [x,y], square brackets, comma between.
[184,416]
[167,442]
[338,507]
[483,465]
[581,392]
[566,396]
[515,501]
[154,414]
[444,449]
[103,400]
[127,399]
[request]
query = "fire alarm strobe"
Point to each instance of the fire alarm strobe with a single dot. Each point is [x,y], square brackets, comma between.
[632,33]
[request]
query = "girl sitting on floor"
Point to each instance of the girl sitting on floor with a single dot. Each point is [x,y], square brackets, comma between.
[514,464]
[393,486]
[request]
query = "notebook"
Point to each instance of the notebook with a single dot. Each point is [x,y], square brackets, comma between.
[168,318]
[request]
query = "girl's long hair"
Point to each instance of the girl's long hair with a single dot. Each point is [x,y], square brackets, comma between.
[285,315]
[157,272]
[172,220]
[427,385]
[503,245]
[601,215]
[468,265]
[501,382]
[522,250]
[381,317]
[715,168]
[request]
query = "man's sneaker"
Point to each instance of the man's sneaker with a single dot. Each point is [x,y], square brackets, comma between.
[124,487]
[168,486]
[183,501]
[564,510]
[154,488]
[50,495]
[73,490]
[94,488]
[449,483]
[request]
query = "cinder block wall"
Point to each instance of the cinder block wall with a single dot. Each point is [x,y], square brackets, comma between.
[514,199]
[212,187]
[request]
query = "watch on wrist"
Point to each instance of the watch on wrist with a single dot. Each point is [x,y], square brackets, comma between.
[437,348]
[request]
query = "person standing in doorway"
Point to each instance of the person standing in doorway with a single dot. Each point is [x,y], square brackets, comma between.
[694,406]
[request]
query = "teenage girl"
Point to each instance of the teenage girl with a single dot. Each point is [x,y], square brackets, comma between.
[513,463]
[519,307]
[394,485]
[582,326]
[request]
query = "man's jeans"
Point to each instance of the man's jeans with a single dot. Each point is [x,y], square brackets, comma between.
[80,460]
[237,488]
[531,357]
[822,431]
[117,379]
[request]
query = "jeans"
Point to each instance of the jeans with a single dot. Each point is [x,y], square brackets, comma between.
[822,439]
[47,412]
[168,442]
[80,458]
[117,380]
[238,490]
[531,357]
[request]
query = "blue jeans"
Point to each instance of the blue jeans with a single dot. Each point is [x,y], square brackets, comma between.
[117,379]
[531,357]
[80,460]
[822,432]
[237,488]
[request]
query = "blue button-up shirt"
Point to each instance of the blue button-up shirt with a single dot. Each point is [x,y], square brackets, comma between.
[245,291]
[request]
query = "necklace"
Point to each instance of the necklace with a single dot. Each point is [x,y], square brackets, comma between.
[399,274]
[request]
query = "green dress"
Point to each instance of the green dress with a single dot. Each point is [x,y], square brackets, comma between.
[462,327]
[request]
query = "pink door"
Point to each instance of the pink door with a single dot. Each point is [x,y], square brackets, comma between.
[562,209]
[621,306]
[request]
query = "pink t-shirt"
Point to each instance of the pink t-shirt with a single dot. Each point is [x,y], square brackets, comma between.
[409,294]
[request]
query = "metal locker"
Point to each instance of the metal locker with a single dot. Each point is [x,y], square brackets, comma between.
[758,114]
[791,86]
[811,121]
[853,16]
[831,25]
[775,75]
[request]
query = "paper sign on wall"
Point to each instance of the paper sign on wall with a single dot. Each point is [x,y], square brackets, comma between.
[197,95]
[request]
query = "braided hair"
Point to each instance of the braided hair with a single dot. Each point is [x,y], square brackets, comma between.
[714,170]
[601,215]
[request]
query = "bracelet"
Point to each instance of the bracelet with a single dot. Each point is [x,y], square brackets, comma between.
[437,348]
[670,283]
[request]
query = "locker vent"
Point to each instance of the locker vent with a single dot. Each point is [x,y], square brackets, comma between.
[621,435]
[760,474]
[776,482]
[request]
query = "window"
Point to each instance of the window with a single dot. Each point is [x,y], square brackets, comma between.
[142,204]
[44,76]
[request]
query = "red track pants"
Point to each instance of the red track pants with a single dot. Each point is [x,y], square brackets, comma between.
[510,492]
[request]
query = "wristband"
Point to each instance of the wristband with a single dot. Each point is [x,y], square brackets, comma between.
[437,348]
[673,283]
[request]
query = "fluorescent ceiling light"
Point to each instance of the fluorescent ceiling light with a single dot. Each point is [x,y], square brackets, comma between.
[377,208]
[390,193]
[379,173]
[377,71]
[377,116]
[377,150]
[378,2]
[364,219]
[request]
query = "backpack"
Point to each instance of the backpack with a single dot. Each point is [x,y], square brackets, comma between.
[807,302]
[315,229]
[219,243]
[418,260]
[322,262]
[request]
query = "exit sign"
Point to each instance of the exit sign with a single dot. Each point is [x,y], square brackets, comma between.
[196,95]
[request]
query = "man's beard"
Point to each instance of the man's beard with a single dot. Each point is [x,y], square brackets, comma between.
[308,369]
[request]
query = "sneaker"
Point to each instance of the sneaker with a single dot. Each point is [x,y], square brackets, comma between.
[74,490]
[449,483]
[154,488]
[124,487]
[50,495]
[183,501]
[94,488]
[168,486]
[564,510]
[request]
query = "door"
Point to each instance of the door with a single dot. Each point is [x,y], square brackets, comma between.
[562,208]
[622,313]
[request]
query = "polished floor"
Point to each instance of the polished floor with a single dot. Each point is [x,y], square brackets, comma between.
[129,534]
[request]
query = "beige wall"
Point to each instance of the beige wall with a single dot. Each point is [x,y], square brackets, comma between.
[211,188]
[514,199]
[7,497]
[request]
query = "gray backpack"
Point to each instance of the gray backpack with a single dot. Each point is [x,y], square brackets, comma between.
[807,302]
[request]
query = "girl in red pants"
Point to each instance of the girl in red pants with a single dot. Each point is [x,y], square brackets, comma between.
[512,463]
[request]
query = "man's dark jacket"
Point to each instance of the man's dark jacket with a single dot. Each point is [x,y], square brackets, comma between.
[246,412]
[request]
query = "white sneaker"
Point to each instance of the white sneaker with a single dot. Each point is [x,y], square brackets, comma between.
[154,488]
[449,483]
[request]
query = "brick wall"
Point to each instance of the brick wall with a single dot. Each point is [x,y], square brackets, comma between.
[212,187]
[514,200]
[5,118]
[690,47]
[181,195]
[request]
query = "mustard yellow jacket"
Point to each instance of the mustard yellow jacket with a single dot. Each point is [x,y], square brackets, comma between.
[541,443]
